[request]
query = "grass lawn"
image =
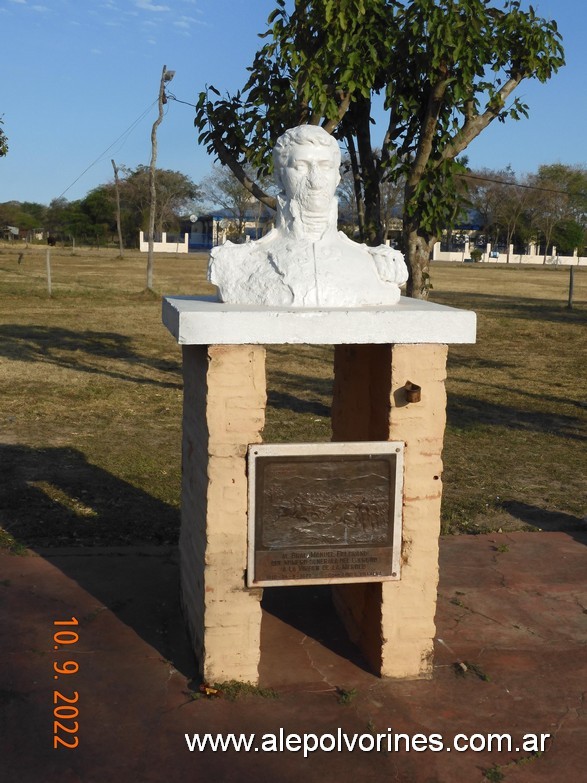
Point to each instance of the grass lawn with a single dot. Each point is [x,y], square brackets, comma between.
[91,398]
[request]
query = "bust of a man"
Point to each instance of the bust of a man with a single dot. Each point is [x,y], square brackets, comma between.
[305,261]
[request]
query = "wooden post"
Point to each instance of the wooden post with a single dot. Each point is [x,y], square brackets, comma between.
[571,286]
[48,259]
[166,76]
[117,191]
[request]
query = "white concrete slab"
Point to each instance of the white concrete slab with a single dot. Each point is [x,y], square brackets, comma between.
[205,321]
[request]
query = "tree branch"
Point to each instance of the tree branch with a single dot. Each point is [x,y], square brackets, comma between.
[331,125]
[303,112]
[473,125]
[225,157]
[391,128]
[428,130]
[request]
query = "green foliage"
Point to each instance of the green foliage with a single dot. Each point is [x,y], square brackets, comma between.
[558,207]
[93,218]
[10,544]
[493,774]
[175,195]
[3,141]
[235,689]
[445,70]
[316,56]
[568,236]
[25,215]
[346,696]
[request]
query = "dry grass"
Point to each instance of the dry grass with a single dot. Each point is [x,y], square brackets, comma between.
[515,447]
[91,398]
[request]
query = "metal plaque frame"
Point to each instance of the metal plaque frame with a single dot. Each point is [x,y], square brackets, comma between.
[324,513]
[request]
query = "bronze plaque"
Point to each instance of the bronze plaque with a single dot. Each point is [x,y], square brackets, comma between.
[324,513]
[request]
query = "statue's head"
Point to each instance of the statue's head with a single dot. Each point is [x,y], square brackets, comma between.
[307,162]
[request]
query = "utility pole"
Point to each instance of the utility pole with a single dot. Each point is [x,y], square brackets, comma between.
[117,190]
[166,76]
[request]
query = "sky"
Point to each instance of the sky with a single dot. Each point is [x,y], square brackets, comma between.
[81,80]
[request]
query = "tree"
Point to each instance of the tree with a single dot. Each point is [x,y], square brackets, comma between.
[3,141]
[176,194]
[99,209]
[501,202]
[26,215]
[57,216]
[35,211]
[444,68]
[351,212]
[559,203]
[222,188]
[569,236]
[67,219]
[484,192]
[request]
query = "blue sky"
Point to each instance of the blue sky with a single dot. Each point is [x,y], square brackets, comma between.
[79,73]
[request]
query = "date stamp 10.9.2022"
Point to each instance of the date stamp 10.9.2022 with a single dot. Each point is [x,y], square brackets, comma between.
[65,709]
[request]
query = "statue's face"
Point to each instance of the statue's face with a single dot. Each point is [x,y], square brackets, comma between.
[310,176]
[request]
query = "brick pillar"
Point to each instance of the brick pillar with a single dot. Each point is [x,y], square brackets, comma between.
[393,622]
[224,411]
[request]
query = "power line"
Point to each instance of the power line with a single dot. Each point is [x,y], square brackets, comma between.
[520,185]
[126,132]
[173,98]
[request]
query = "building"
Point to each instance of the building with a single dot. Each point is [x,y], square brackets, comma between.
[214,228]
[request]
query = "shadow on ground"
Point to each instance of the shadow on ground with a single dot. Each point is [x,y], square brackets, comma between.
[110,538]
[547,520]
[55,497]
[82,519]
[290,402]
[522,308]
[77,350]
[308,392]
[309,610]
[468,411]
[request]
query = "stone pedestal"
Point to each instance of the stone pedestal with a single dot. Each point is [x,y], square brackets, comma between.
[378,350]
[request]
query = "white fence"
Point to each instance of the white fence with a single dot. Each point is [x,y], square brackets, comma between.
[490,256]
[164,246]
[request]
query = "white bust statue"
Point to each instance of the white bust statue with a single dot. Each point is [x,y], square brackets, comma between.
[304,261]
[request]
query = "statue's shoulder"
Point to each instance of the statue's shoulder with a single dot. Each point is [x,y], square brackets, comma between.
[390,264]
[359,246]
[231,251]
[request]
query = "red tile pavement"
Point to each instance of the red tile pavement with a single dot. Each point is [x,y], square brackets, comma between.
[512,609]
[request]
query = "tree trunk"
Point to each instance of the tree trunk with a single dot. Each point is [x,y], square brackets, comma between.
[370,173]
[418,247]
[373,226]
[509,238]
[358,190]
